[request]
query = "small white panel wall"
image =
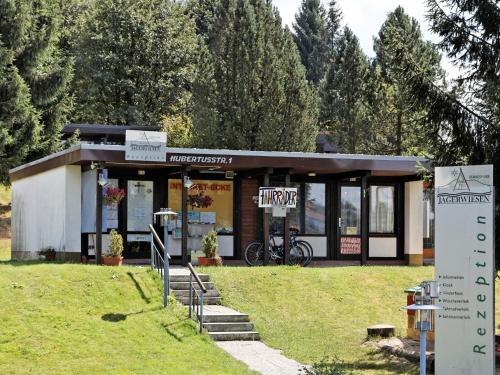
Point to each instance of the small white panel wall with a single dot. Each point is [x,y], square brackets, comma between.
[226,245]
[89,191]
[383,247]
[319,245]
[46,211]
[414,200]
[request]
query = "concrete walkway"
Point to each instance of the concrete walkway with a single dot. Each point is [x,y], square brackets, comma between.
[261,358]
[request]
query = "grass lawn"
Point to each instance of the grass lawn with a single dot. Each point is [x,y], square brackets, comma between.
[310,313]
[76,319]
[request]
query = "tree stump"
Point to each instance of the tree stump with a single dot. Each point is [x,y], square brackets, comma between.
[382,330]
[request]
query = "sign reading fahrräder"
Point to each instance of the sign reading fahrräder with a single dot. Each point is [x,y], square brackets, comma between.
[145,145]
[278,196]
[465,327]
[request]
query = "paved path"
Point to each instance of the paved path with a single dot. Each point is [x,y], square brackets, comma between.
[261,358]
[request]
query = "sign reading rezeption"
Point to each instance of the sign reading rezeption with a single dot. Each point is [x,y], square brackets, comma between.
[465,327]
[145,145]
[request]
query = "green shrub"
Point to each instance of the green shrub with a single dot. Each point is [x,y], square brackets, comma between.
[209,244]
[115,248]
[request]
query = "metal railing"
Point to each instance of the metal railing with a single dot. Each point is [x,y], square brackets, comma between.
[197,295]
[159,264]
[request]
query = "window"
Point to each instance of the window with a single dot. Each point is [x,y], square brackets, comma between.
[309,215]
[210,204]
[315,208]
[381,209]
[139,205]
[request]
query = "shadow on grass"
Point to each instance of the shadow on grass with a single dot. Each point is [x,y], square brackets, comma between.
[171,328]
[139,288]
[118,317]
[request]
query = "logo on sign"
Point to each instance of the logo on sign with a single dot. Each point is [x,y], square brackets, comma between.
[462,190]
[145,145]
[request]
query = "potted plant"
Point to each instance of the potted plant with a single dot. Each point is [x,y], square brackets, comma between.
[49,253]
[209,244]
[115,249]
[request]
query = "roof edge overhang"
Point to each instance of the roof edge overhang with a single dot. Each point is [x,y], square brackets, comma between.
[302,162]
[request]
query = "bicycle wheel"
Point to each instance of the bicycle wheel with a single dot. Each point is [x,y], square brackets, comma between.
[309,254]
[296,256]
[254,254]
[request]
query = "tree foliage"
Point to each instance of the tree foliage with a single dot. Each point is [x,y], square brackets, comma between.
[400,123]
[251,91]
[34,77]
[136,62]
[343,95]
[311,36]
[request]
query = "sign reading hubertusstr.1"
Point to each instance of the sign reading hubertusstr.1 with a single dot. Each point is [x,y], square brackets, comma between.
[145,145]
[465,264]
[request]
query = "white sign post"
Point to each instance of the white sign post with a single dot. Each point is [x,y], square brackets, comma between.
[465,270]
[278,198]
[145,145]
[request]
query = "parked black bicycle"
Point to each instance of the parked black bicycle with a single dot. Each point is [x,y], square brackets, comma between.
[301,252]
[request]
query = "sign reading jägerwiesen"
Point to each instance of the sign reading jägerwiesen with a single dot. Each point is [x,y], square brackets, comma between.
[465,264]
[145,145]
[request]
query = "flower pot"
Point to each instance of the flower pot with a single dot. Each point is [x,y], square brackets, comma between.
[204,262]
[112,261]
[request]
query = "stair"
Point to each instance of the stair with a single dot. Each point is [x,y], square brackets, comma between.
[221,322]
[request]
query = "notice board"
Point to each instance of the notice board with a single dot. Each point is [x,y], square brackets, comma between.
[465,327]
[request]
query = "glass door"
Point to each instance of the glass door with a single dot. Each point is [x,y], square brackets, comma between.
[349,222]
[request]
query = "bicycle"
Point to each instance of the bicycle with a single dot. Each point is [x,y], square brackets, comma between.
[254,252]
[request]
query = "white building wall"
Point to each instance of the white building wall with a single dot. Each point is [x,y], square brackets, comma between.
[414,222]
[46,212]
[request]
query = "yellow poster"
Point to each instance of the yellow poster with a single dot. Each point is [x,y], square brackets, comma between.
[209,201]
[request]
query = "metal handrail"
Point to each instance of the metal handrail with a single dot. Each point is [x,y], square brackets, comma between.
[157,238]
[161,264]
[194,293]
[197,278]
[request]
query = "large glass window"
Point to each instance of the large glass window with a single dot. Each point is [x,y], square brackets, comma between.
[309,215]
[139,205]
[382,209]
[210,204]
[315,208]
[350,210]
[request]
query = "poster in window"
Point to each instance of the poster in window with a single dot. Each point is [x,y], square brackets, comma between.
[112,209]
[213,200]
[350,245]
[139,205]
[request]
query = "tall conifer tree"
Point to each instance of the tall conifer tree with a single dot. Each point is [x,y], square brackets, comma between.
[251,91]
[34,77]
[343,95]
[401,124]
[312,33]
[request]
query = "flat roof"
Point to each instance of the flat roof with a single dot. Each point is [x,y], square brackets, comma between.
[237,160]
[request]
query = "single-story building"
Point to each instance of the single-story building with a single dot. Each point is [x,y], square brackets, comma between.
[350,207]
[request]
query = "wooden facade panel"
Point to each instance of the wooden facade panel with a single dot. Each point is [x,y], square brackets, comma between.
[250,211]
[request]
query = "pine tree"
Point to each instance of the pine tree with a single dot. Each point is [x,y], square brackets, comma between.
[343,95]
[334,19]
[251,92]
[399,119]
[136,62]
[312,34]
[34,77]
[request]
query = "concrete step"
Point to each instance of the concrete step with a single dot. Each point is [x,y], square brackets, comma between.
[223,314]
[185,293]
[185,278]
[206,301]
[180,285]
[234,336]
[229,327]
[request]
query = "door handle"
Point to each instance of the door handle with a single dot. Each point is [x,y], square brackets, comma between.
[340,222]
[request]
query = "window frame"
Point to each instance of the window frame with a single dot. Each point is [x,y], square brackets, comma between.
[395,231]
